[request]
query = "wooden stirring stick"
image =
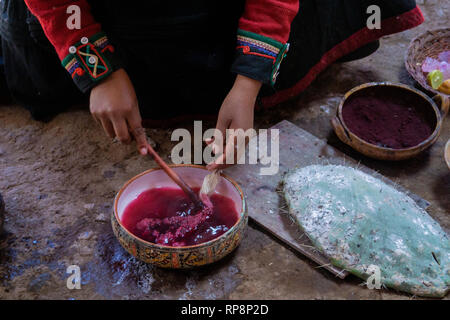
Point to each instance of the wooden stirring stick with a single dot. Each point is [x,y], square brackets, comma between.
[175,177]
[139,132]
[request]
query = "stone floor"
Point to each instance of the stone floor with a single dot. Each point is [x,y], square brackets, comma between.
[59,180]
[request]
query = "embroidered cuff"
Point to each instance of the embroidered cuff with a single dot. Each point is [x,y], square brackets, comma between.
[258,57]
[90,61]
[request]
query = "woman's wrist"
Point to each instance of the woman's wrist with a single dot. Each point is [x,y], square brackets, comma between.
[247,86]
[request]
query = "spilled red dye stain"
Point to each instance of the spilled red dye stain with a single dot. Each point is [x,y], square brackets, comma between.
[167,216]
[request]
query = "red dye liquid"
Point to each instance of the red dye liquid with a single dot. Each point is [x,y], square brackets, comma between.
[388,121]
[167,216]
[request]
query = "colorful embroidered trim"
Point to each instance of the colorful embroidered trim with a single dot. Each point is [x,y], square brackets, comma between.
[258,45]
[246,50]
[258,38]
[92,60]
[87,56]
[74,68]
[276,69]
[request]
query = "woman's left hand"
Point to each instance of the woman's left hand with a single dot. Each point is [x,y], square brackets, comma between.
[236,112]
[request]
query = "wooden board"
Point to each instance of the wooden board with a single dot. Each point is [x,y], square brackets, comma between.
[298,148]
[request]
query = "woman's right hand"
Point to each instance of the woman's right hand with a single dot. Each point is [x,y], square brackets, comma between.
[114,105]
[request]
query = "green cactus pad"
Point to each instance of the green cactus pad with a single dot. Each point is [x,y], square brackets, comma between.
[358,220]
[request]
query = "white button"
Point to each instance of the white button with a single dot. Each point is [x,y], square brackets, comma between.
[84,40]
[72,49]
[92,60]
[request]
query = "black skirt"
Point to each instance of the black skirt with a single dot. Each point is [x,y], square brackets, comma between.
[325,31]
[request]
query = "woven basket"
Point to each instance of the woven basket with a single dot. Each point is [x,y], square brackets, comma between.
[429,44]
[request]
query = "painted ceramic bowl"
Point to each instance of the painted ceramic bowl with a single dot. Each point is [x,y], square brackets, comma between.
[430,107]
[178,257]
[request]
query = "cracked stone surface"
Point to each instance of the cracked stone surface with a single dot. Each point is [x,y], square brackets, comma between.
[58,180]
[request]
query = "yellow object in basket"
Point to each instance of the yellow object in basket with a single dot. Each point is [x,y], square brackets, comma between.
[435,78]
[445,87]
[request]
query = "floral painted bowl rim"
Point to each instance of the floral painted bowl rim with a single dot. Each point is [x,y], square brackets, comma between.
[203,244]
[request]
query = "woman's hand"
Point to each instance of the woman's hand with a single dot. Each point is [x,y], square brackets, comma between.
[114,106]
[236,112]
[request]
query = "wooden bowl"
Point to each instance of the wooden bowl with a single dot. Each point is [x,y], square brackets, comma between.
[428,44]
[383,153]
[178,257]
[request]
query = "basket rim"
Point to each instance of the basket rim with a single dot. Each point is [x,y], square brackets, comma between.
[410,57]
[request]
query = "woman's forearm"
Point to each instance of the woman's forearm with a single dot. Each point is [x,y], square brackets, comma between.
[247,86]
